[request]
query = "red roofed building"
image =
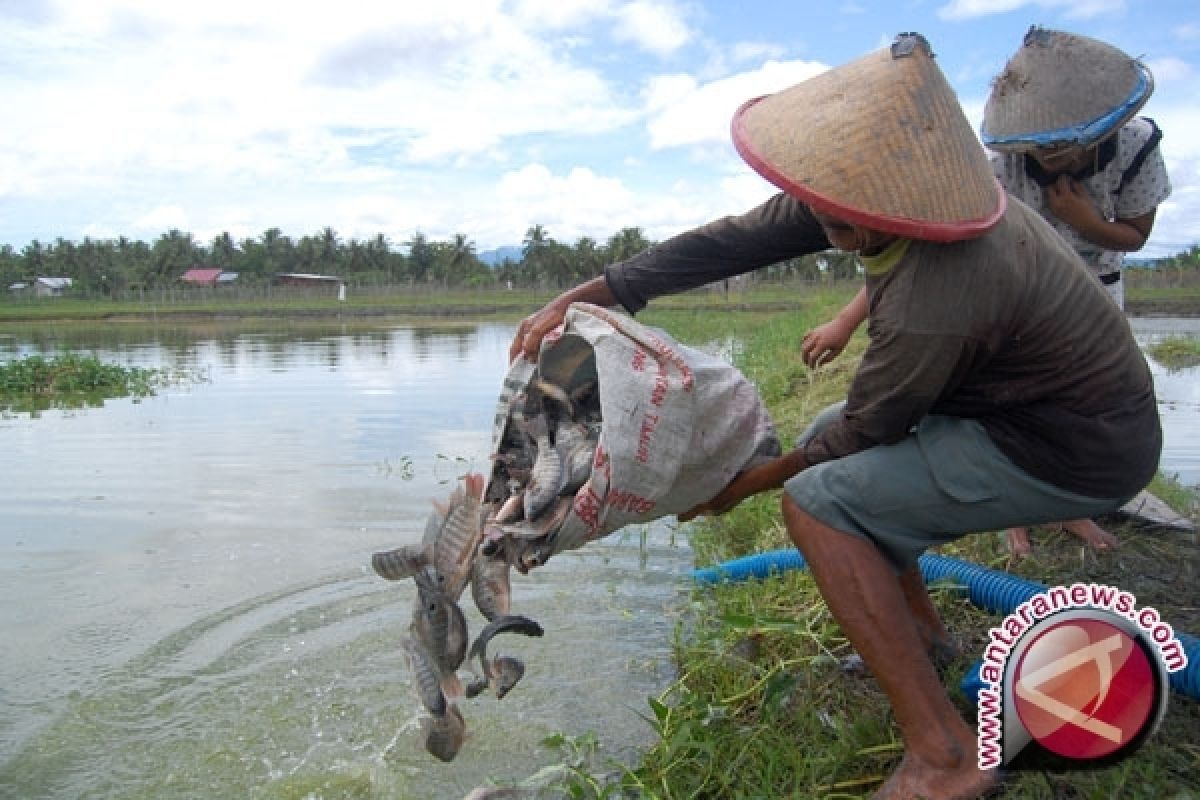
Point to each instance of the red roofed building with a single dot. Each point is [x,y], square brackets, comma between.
[201,277]
[208,277]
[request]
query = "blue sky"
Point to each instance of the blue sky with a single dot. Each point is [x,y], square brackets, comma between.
[474,116]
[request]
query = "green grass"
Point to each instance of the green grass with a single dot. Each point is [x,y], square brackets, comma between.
[373,302]
[761,707]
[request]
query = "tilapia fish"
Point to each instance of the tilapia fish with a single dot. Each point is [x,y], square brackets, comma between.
[503,672]
[444,734]
[549,429]
[426,678]
[491,588]
[452,533]
[438,623]
[547,476]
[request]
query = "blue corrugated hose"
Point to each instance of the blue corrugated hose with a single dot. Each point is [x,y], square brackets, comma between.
[989,589]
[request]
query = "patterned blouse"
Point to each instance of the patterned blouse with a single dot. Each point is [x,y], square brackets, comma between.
[1127,180]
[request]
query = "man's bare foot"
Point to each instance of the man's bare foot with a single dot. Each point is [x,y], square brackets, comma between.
[914,780]
[1018,542]
[1091,533]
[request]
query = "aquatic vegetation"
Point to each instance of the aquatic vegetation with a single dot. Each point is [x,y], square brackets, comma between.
[36,383]
[1176,352]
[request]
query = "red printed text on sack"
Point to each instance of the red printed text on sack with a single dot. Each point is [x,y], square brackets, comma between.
[649,423]
[587,507]
[628,501]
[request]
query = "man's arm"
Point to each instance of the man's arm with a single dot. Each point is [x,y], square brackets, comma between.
[779,229]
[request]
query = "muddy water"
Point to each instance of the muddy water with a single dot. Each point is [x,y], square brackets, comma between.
[188,605]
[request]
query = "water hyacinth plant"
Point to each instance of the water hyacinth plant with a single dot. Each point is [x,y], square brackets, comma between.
[69,380]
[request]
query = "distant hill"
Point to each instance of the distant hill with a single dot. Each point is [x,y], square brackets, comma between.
[494,257]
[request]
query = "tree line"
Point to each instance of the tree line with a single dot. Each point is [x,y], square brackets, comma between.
[112,266]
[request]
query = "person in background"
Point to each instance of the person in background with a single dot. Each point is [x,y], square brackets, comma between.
[1062,122]
[1000,386]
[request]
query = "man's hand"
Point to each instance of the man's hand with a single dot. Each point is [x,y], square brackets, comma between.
[534,328]
[762,478]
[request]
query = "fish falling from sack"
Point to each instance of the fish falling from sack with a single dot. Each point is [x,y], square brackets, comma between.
[426,678]
[503,672]
[444,735]
[491,588]
[451,536]
[436,642]
[439,626]
[443,727]
[483,530]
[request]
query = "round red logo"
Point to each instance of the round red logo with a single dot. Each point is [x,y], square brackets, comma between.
[1084,688]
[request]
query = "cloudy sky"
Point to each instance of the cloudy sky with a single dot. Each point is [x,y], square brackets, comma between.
[482,117]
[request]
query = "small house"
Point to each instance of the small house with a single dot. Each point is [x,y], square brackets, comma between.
[201,277]
[51,287]
[305,280]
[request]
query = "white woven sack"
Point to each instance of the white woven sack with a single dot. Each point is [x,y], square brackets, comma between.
[678,423]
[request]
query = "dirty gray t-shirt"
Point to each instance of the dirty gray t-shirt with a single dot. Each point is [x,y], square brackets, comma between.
[1009,328]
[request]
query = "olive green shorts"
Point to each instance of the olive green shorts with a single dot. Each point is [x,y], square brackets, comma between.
[942,482]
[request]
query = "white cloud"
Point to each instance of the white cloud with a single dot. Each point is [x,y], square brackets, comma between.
[161,219]
[124,117]
[684,112]
[1188,32]
[1073,9]
[1167,70]
[967,9]
[654,26]
[742,52]
[561,202]
[560,14]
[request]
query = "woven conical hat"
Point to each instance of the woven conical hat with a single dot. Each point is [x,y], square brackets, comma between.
[880,142]
[1063,89]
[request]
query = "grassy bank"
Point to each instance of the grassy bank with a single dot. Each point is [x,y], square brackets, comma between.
[409,303]
[761,707]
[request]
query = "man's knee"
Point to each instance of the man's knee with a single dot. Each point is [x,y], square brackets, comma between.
[802,526]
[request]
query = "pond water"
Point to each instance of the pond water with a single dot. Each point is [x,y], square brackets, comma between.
[189,609]
[1178,398]
[189,606]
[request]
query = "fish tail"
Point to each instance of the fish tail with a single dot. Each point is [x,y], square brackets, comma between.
[398,564]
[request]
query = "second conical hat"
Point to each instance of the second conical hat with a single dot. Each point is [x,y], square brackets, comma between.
[1063,89]
[881,142]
